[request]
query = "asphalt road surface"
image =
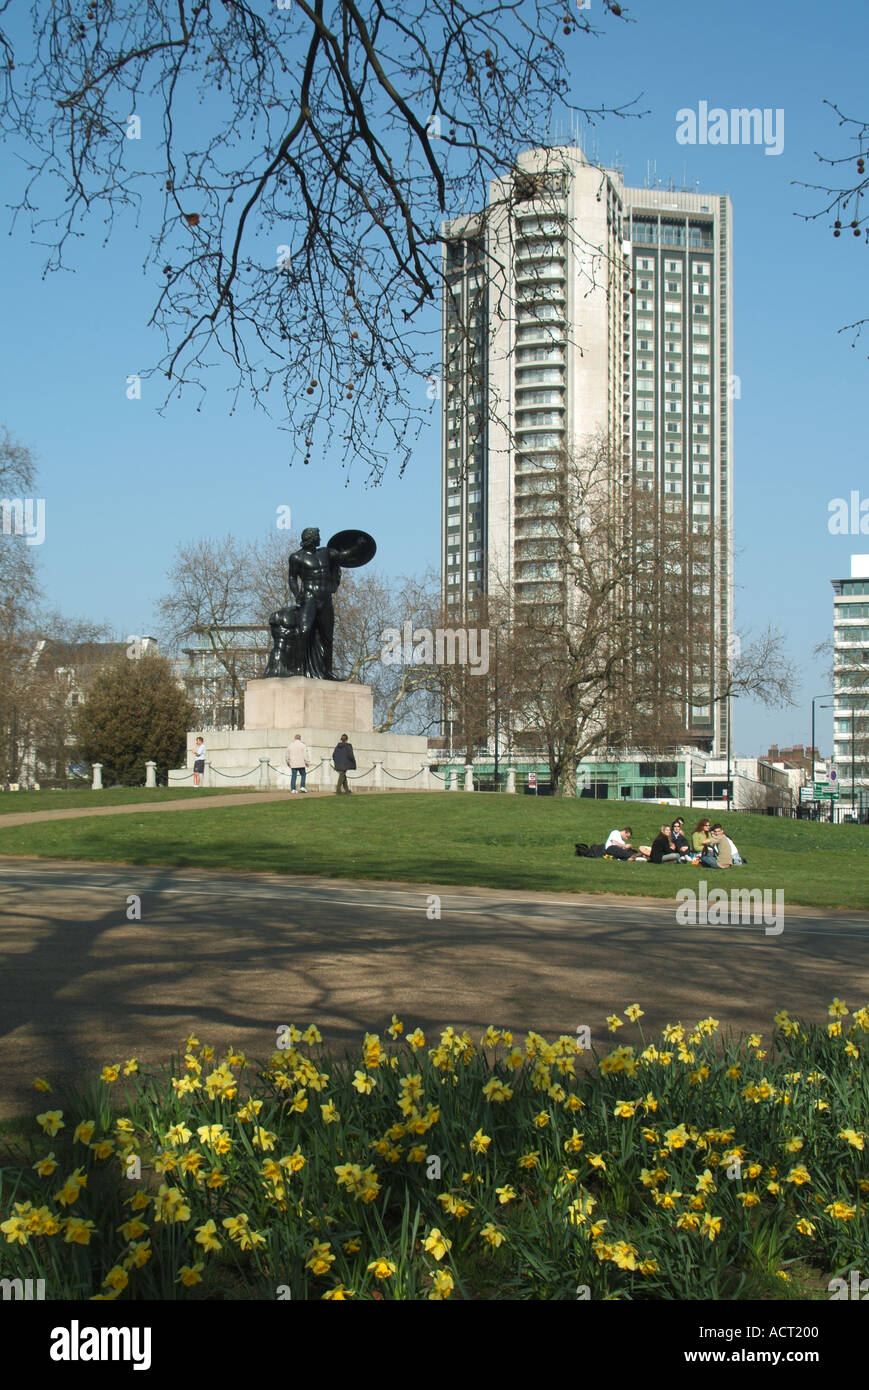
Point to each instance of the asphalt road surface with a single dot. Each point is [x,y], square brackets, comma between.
[232,956]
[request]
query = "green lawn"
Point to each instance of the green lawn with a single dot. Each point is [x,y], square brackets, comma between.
[504,842]
[21,803]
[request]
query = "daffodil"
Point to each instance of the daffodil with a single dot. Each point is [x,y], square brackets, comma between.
[110,1074]
[77,1231]
[442,1284]
[480,1142]
[505,1194]
[841,1211]
[46,1166]
[382,1268]
[138,1254]
[117,1278]
[40,1084]
[634,1012]
[51,1121]
[131,1230]
[711,1226]
[263,1139]
[15,1230]
[497,1091]
[492,1235]
[454,1205]
[188,1275]
[437,1244]
[857,1139]
[170,1205]
[206,1236]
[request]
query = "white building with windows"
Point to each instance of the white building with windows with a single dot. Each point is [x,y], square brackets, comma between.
[851,687]
[574,305]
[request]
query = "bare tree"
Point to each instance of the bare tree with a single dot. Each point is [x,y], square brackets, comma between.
[843,197]
[19,586]
[604,645]
[373,618]
[216,586]
[297,234]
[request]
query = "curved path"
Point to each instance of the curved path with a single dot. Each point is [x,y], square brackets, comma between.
[232,956]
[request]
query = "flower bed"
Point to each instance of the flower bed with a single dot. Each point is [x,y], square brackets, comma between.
[694,1166]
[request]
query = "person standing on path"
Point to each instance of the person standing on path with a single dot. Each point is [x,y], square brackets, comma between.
[298,761]
[199,755]
[344,761]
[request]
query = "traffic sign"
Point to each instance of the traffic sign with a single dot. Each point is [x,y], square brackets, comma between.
[826,792]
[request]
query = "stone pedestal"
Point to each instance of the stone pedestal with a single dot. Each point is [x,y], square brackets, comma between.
[277,709]
[300,702]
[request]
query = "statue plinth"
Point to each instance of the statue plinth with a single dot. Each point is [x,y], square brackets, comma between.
[301,702]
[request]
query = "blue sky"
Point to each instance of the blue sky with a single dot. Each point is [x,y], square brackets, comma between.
[124,486]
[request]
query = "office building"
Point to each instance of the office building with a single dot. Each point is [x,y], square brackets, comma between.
[577,308]
[851,687]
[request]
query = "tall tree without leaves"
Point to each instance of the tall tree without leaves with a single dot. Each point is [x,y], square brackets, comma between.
[607,654]
[295,163]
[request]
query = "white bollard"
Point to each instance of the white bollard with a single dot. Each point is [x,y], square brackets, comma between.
[150,773]
[263,772]
[469,777]
[378,779]
[511,779]
[454,779]
[97,783]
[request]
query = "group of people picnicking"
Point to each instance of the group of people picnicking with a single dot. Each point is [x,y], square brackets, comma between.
[708,846]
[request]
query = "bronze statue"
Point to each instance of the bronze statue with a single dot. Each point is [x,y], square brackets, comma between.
[302,634]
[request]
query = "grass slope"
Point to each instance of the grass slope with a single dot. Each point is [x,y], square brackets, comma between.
[503,842]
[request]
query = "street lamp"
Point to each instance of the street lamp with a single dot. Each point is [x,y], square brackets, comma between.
[730,698]
[828,696]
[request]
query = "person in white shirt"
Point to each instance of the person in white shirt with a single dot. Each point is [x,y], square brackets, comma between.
[298,761]
[199,755]
[618,845]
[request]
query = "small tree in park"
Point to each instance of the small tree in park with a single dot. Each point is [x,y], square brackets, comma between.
[135,711]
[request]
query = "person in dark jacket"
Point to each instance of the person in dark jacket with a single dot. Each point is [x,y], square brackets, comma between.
[344,761]
[662,848]
[678,837]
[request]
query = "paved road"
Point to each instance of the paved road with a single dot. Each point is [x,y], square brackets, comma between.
[232,956]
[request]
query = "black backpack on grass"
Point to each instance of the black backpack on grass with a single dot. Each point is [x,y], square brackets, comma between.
[590,851]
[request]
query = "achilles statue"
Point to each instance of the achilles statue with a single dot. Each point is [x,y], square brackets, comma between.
[302,633]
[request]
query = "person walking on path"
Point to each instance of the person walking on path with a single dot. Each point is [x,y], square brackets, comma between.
[199,755]
[344,761]
[298,761]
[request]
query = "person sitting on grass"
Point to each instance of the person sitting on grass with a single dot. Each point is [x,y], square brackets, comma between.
[717,853]
[678,837]
[663,850]
[701,839]
[618,845]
